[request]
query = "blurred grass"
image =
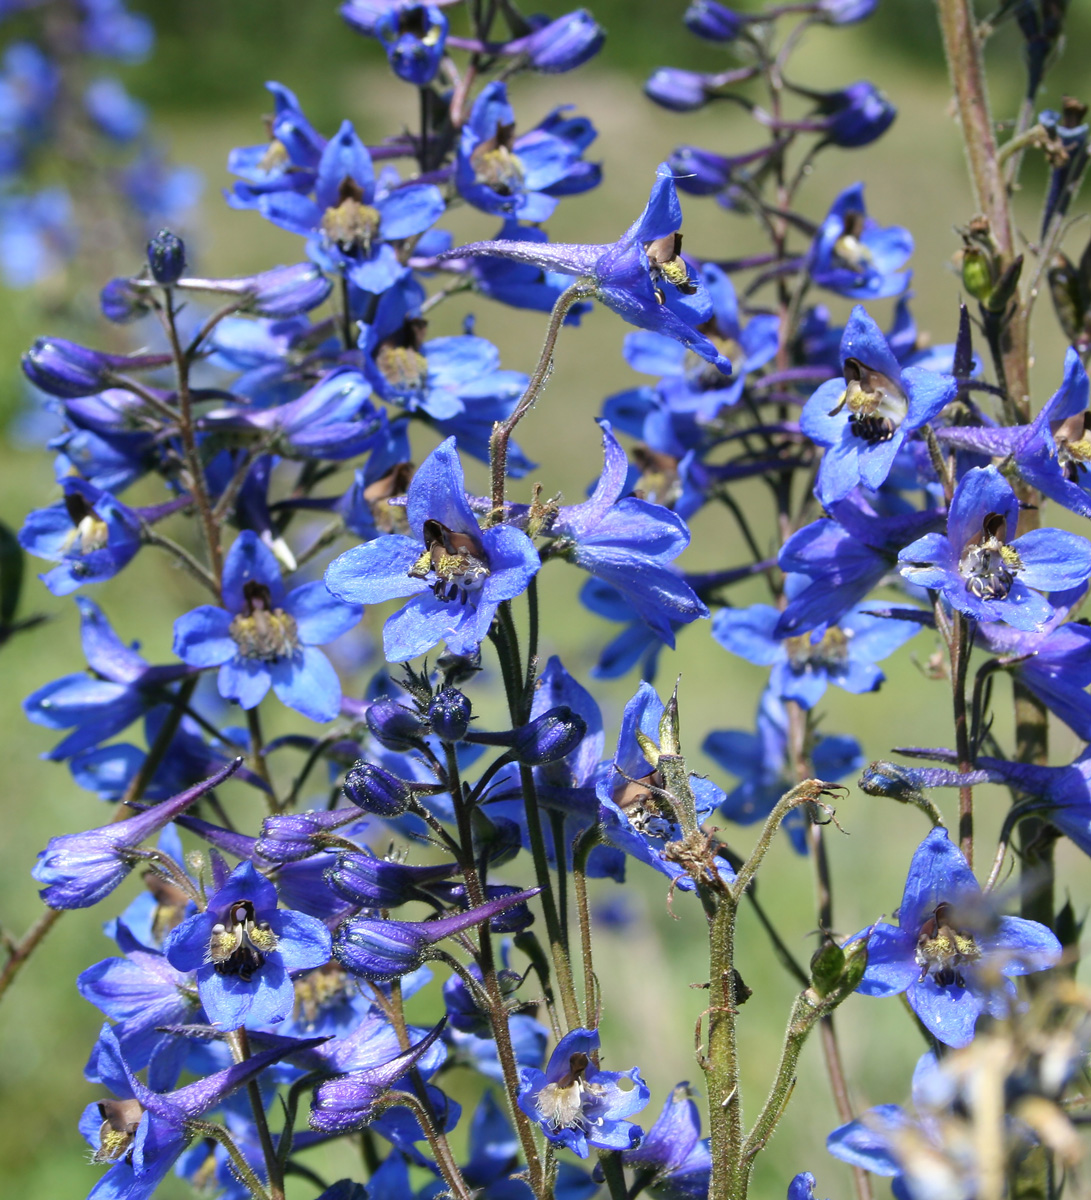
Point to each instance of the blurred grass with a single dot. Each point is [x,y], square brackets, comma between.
[915,177]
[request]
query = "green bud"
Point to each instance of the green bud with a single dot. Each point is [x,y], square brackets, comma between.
[669,730]
[827,968]
[1004,292]
[977,276]
[648,747]
[855,964]
[1068,301]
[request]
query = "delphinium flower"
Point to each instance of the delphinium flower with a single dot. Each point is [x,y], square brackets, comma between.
[521,177]
[642,276]
[674,1150]
[578,1106]
[950,953]
[853,256]
[863,419]
[455,572]
[979,566]
[844,653]
[266,636]
[695,386]
[288,161]
[244,950]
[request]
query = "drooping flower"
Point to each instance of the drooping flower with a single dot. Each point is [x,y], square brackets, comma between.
[455,572]
[577,1106]
[244,950]
[265,636]
[864,418]
[950,954]
[642,276]
[986,572]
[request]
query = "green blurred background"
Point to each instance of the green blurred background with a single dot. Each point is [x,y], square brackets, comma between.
[205,84]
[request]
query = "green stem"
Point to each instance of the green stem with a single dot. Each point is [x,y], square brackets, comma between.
[729,1179]
[240,1050]
[209,1129]
[20,951]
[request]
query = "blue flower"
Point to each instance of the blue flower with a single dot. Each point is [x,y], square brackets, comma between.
[982,570]
[351,223]
[675,1151]
[852,256]
[456,573]
[118,688]
[521,177]
[844,654]
[698,387]
[37,235]
[90,534]
[414,37]
[577,1106]
[948,953]
[630,544]
[244,950]
[288,162]
[864,419]
[642,276]
[523,285]
[762,764]
[265,637]
[636,643]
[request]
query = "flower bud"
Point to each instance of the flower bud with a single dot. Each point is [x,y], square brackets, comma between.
[856,115]
[712,21]
[449,715]
[122,302]
[290,837]
[699,172]
[678,90]
[376,790]
[69,370]
[166,257]
[374,882]
[846,12]
[565,43]
[552,736]
[976,273]
[395,726]
[278,292]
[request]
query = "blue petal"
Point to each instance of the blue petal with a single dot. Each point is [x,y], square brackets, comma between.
[304,942]
[410,210]
[250,560]
[308,683]
[438,492]
[202,637]
[320,617]
[245,680]
[938,874]
[949,1013]
[748,632]
[1020,947]
[376,571]
[1053,560]
[891,965]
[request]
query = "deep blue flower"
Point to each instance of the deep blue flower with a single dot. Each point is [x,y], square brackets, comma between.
[351,223]
[563,44]
[844,654]
[244,950]
[456,573]
[630,544]
[288,161]
[521,177]
[80,869]
[982,570]
[90,534]
[37,235]
[864,418]
[118,688]
[762,764]
[414,37]
[113,110]
[853,256]
[713,21]
[266,637]
[948,953]
[142,1133]
[642,276]
[577,1106]
[1067,131]
[853,116]
[523,285]
[802,1186]
[675,1151]
[697,387]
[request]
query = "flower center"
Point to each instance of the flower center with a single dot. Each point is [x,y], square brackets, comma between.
[829,653]
[239,944]
[560,1104]
[120,1121]
[876,404]
[400,360]
[389,518]
[321,989]
[351,224]
[261,631]
[849,251]
[665,262]
[275,158]
[1073,446]
[643,808]
[659,479]
[988,565]
[944,952]
[454,563]
[496,165]
[704,375]
[89,531]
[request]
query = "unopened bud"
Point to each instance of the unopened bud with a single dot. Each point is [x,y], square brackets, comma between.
[166,257]
[377,791]
[552,736]
[395,726]
[712,21]
[449,715]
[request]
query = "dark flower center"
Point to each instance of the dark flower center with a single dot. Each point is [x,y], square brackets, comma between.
[1073,446]
[665,262]
[400,360]
[120,1121]
[848,250]
[829,653]
[240,943]
[89,531]
[638,799]
[496,165]
[351,224]
[876,404]
[988,564]
[944,952]
[454,563]
[659,480]
[261,631]
[560,1104]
